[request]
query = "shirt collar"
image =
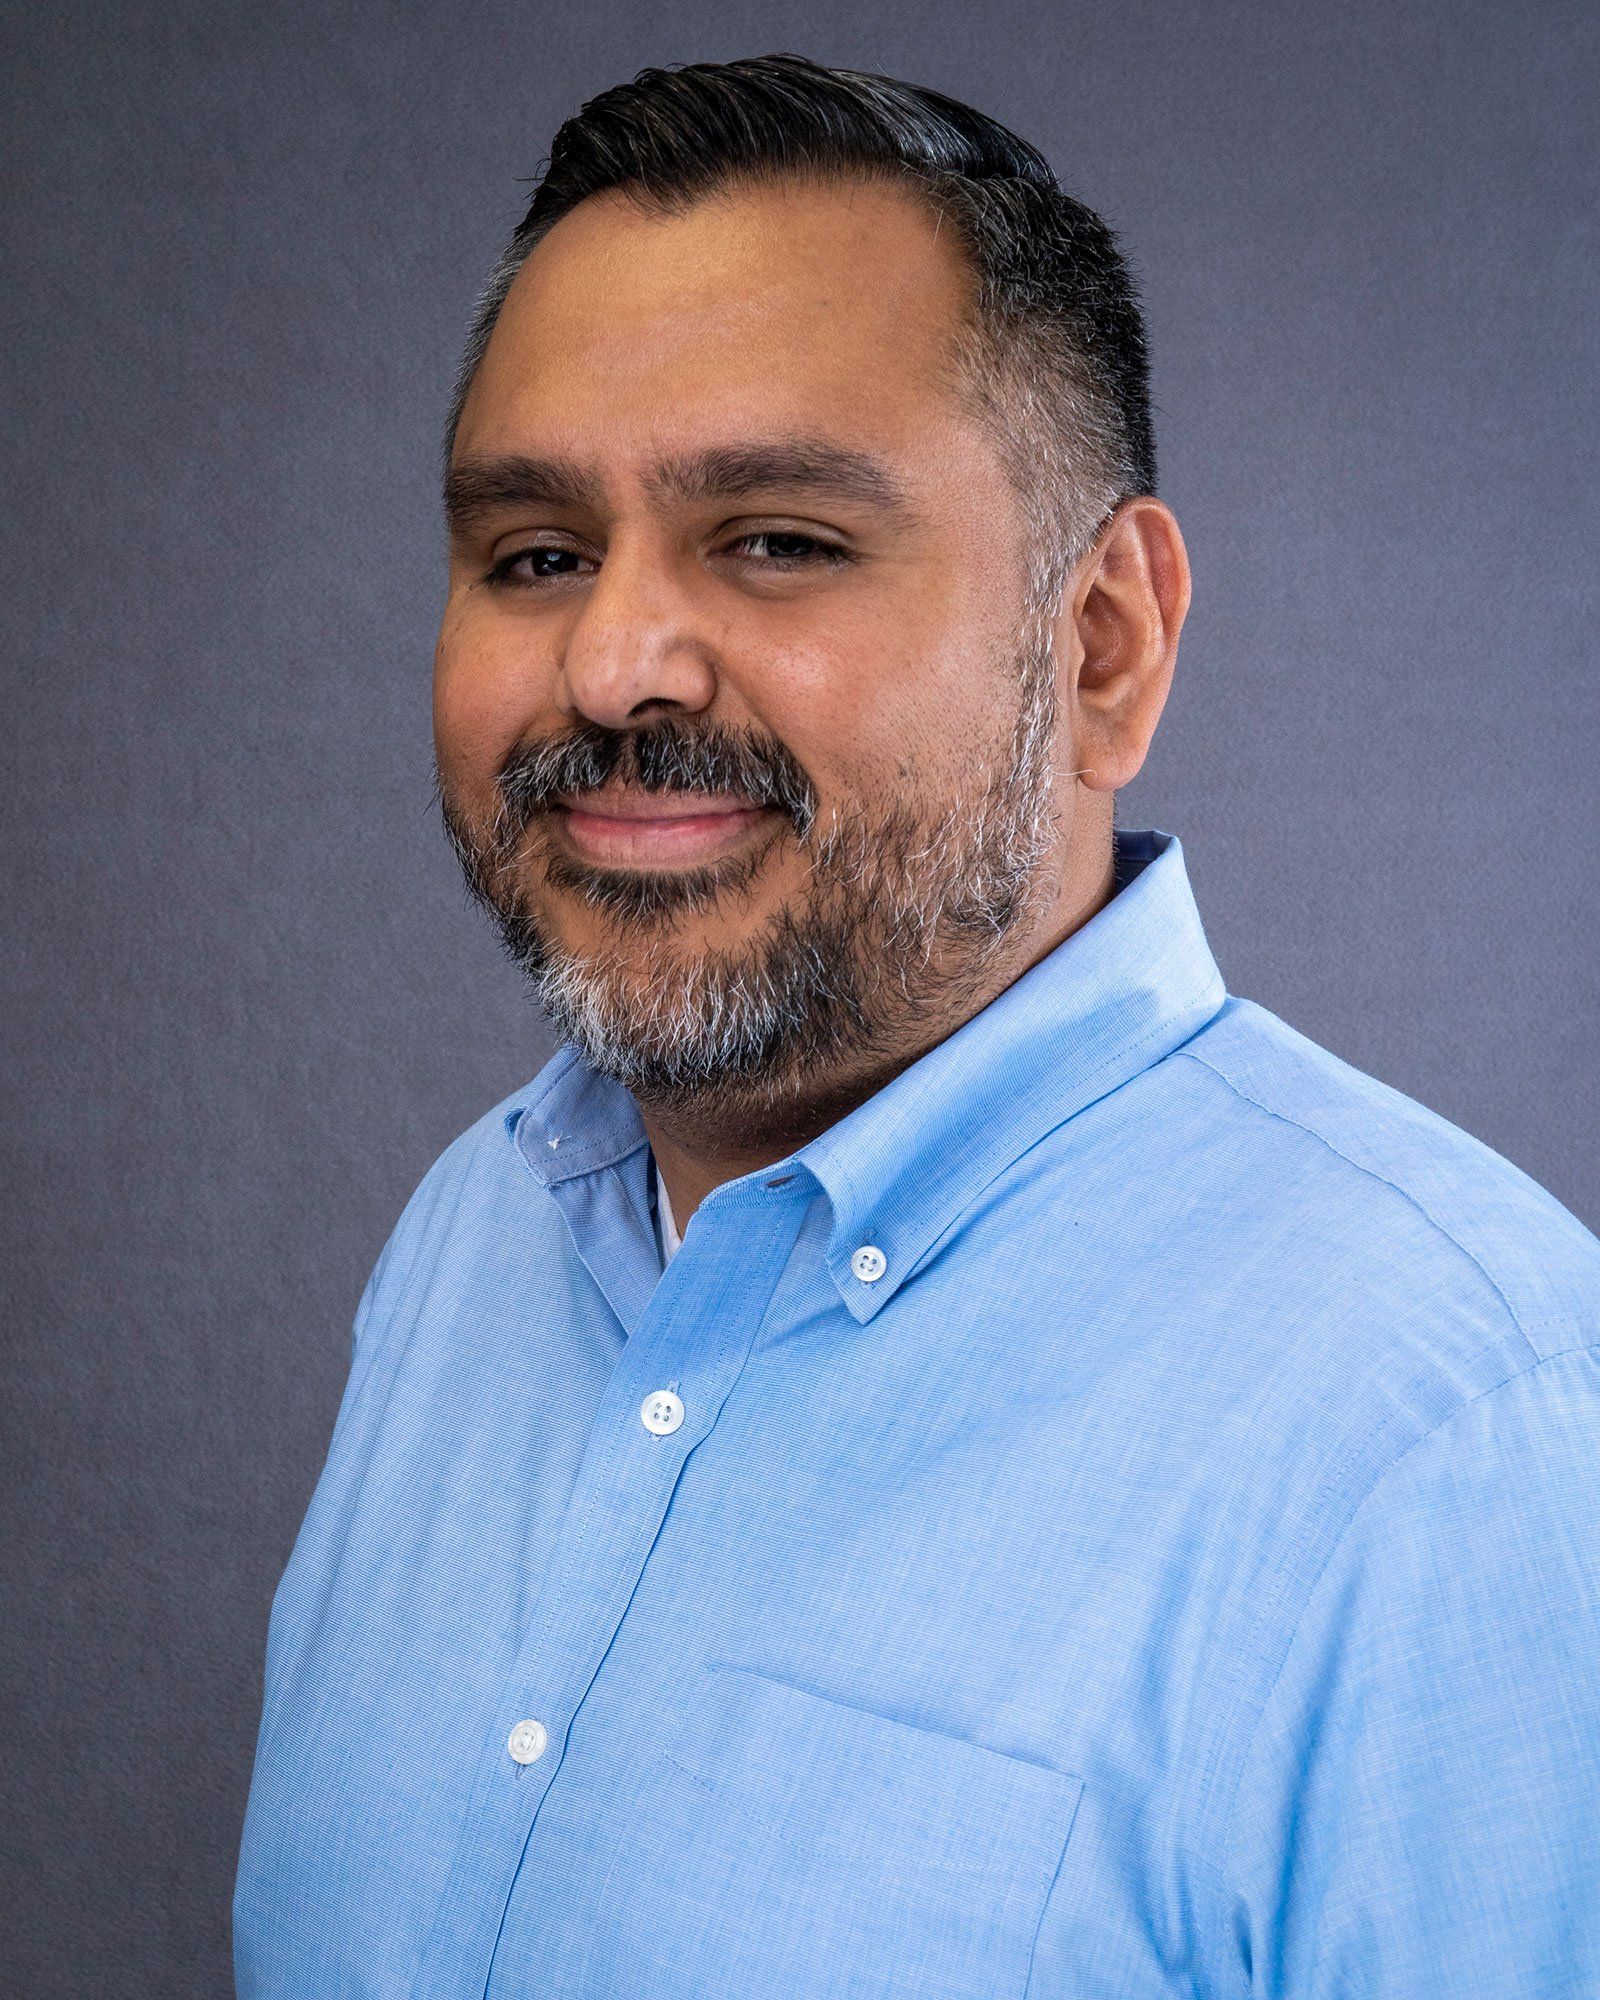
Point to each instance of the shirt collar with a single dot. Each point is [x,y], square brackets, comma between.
[1114,997]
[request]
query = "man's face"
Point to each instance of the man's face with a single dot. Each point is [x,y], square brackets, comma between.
[742,733]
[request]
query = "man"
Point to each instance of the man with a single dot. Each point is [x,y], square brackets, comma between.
[932,1451]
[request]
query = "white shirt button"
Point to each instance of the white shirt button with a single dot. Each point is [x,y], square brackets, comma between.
[527,1741]
[661,1411]
[869,1263]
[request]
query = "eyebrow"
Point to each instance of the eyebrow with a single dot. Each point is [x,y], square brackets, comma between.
[479,487]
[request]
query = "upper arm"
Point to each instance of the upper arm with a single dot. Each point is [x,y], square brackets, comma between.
[1418,1812]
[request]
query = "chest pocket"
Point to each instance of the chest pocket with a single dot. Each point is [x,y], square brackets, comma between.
[827,1852]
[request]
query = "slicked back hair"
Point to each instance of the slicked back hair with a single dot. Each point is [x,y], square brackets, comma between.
[1053,356]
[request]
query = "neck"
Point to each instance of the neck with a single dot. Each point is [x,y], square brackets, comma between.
[701,1145]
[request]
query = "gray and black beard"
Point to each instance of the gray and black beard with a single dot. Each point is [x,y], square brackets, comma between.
[902,910]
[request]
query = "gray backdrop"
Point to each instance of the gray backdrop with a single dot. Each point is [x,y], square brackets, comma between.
[251,1004]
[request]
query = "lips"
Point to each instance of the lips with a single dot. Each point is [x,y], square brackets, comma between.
[626,825]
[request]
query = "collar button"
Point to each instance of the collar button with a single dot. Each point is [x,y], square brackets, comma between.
[869,1263]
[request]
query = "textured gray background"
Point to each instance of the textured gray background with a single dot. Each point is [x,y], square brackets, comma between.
[251,1004]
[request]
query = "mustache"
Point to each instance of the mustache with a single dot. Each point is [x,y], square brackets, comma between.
[663,756]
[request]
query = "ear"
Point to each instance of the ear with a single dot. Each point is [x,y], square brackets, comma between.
[1128,601]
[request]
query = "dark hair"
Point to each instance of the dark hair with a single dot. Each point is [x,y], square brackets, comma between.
[1054,357]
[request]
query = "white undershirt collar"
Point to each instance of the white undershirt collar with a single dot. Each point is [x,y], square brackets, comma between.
[670,1239]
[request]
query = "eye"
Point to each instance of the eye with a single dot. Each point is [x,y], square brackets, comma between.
[788,549]
[502,572]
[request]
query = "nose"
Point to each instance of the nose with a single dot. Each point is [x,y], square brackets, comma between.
[634,646]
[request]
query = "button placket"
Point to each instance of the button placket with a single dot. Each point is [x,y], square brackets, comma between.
[619,1497]
[661,1412]
[527,1742]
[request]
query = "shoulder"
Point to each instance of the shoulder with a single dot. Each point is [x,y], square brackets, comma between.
[1427,1394]
[476,1184]
[1380,1182]
[483,1151]
[1404,1327]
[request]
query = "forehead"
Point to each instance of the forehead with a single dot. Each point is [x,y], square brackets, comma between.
[800,305]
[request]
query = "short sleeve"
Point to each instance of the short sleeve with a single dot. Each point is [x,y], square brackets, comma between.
[1418,1813]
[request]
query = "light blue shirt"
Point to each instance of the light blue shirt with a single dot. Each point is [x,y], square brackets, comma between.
[1117,1516]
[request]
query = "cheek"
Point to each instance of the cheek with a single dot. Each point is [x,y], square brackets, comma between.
[891,710]
[485,698]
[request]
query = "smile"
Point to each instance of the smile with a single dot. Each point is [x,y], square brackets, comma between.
[657,829]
